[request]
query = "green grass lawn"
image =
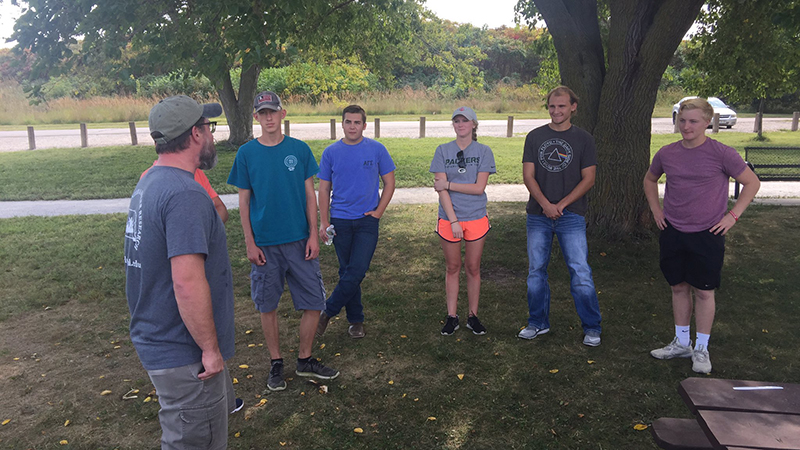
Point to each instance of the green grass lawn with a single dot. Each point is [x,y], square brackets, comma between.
[64,339]
[112,172]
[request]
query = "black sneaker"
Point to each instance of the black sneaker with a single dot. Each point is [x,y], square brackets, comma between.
[275,381]
[314,368]
[238,406]
[450,325]
[476,326]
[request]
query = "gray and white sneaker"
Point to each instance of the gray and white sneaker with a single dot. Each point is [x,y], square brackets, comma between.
[701,362]
[673,350]
[314,368]
[275,381]
[531,332]
[591,338]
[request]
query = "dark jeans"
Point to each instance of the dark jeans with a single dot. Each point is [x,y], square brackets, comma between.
[355,243]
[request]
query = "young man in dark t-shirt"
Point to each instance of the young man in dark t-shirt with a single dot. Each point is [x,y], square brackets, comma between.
[558,167]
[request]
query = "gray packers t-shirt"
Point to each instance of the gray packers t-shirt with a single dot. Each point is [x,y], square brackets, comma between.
[559,157]
[170,214]
[476,158]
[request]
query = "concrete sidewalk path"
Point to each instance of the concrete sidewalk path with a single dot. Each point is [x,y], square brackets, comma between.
[771,193]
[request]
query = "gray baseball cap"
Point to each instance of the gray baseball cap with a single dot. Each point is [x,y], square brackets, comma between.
[267,100]
[465,111]
[173,116]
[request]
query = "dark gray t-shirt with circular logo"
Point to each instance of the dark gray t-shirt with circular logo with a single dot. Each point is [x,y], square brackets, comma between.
[559,157]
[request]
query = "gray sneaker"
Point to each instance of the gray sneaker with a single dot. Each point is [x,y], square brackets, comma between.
[591,338]
[673,350]
[701,362]
[275,381]
[314,368]
[531,332]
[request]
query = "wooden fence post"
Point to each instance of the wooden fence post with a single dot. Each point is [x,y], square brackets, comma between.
[134,138]
[422,127]
[286,127]
[333,129]
[715,123]
[510,128]
[377,128]
[31,139]
[84,137]
[795,118]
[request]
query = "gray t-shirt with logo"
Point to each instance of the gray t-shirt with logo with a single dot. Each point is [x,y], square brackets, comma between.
[559,157]
[477,158]
[170,214]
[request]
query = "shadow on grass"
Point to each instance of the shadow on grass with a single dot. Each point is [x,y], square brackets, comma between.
[64,316]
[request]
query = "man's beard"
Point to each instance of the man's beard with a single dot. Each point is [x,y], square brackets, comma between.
[208,157]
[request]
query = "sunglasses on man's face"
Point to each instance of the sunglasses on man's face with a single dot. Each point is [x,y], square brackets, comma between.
[462,164]
[212,126]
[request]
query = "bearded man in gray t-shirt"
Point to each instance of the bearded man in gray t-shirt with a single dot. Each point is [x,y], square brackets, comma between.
[558,166]
[178,280]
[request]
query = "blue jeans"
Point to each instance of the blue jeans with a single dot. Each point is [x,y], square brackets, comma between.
[571,231]
[355,244]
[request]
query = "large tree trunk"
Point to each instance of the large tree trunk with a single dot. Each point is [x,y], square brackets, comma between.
[239,111]
[617,100]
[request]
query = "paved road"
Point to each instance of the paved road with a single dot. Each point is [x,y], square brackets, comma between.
[776,192]
[18,140]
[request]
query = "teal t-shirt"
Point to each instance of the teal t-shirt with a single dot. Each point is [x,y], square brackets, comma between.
[276,179]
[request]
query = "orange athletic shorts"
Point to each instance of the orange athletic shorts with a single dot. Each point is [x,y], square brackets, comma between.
[473,229]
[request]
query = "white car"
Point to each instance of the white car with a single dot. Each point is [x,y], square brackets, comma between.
[727,116]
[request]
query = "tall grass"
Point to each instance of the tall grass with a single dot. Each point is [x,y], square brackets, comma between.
[15,108]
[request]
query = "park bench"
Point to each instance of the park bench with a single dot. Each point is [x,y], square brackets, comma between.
[772,164]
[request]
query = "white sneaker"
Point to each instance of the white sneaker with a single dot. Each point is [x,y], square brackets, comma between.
[673,350]
[591,338]
[531,332]
[701,362]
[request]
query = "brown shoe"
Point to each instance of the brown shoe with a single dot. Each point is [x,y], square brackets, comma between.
[323,323]
[356,331]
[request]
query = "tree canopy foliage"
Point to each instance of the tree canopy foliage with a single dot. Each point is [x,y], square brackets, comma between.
[210,37]
[746,49]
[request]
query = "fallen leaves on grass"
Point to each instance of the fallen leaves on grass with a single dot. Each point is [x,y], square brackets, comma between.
[591,361]
[403,336]
[106,392]
[391,382]
[431,418]
[553,370]
[5,422]
[262,402]
[66,423]
[640,427]
[237,435]
[244,366]
[147,400]
[63,442]
[321,346]
[248,331]
[235,380]
[460,376]
[358,430]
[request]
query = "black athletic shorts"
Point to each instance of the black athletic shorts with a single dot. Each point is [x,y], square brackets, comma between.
[695,258]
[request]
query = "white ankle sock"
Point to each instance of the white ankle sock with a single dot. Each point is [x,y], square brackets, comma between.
[683,335]
[702,339]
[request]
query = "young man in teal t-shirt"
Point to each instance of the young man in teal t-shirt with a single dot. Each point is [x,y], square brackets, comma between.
[278,208]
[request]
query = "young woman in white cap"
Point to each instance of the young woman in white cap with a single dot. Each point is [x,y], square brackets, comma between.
[461,170]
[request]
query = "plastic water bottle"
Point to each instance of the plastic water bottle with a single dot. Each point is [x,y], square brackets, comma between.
[330,233]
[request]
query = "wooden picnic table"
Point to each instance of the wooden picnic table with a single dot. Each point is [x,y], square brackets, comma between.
[736,414]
